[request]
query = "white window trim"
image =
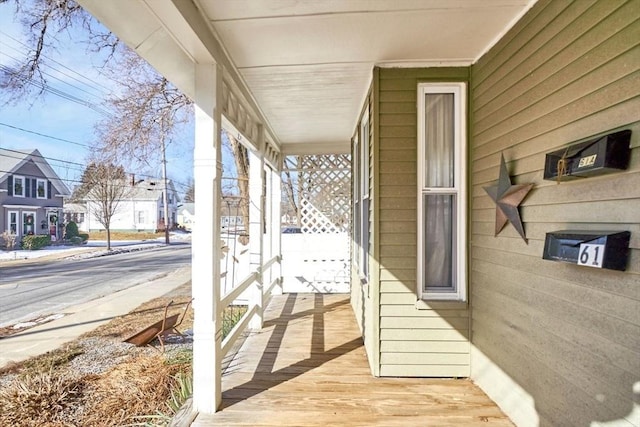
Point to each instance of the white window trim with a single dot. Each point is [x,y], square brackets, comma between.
[459,190]
[356,200]
[17,221]
[38,181]
[24,184]
[35,222]
[364,176]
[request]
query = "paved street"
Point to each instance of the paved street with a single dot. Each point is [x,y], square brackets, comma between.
[31,290]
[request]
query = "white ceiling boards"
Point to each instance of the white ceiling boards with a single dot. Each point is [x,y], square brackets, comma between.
[308,63]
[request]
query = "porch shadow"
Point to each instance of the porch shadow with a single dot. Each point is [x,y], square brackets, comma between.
[308,367]
[265,377]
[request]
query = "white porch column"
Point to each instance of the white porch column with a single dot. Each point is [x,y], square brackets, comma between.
[205,245]
[276,229]
[256,228]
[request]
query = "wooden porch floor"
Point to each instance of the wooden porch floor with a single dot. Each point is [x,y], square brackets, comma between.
[307,367]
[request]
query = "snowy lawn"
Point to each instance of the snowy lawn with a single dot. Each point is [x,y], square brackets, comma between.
[93,248]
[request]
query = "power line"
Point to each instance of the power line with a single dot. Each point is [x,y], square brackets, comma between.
[44,135]
[180,184]
[62,94]
[108,90]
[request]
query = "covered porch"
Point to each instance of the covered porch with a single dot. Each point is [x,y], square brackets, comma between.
[307,367]
[297,79]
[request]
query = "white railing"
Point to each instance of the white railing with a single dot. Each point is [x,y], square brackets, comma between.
[254,309]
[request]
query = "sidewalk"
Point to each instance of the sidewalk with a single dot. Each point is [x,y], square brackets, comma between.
[86,317]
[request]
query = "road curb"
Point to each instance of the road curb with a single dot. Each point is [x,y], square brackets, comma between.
[87,316]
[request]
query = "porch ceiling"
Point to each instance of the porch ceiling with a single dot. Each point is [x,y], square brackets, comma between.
[307,64]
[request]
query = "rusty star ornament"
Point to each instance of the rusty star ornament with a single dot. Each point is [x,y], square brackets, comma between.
[507,198]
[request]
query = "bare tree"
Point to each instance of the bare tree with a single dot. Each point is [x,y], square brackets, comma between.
[144,111]
[107,187]
[241,156]
[190,194]
[290,185]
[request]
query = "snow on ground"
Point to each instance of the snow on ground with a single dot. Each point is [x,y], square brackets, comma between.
[84,251]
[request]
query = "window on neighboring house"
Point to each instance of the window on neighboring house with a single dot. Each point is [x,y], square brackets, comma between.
[442,191]
[13,222]
[141,218]
[41,189]
[18,186]
[364,194]
[80,217]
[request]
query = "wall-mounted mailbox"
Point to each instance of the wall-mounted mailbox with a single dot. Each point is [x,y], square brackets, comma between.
[609,153]
[599,249]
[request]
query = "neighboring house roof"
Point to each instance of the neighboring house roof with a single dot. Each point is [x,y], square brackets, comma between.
[75,208]
[147,189]
[189,207]
[12,160]
[150,189]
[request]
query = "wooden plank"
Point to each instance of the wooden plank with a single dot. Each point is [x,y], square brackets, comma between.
[561,72]
[575,312]
[425,335]
[414,323]
[424,346]
[412,311]
[448,371]
[308,368]
[490,305]
[394,358]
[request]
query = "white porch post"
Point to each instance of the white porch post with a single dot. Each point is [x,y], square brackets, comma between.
[205,270]
[276,229]
[256,227]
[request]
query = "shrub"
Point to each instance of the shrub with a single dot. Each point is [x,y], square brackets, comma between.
[83,236]
[71,230]
[35,242]
[7,240]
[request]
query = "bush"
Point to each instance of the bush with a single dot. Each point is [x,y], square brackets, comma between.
[83,236]
[36,242]
[71,230]
[7,240]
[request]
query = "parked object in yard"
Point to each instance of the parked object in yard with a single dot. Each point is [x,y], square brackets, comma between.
[161,329]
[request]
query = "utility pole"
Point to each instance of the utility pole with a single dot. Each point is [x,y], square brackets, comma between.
[165,197]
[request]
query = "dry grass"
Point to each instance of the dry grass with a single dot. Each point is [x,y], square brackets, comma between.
[131,390]
[46,362]
[49,390]
[44,399]
[125,235]
[142,387]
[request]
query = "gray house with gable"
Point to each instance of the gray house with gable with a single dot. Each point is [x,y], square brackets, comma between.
[31,194]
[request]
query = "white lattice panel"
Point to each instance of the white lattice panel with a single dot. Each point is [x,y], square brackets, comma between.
[318,259]
[325,199]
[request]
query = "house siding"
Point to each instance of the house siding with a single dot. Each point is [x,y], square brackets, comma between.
[416,338]
[554,343]
[362,299]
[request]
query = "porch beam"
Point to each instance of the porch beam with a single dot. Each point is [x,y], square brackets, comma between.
[206,250]
[296,149]
[189,10]
[276,229]
[256,228]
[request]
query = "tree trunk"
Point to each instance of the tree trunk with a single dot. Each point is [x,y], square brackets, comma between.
[241,157]
[108,240]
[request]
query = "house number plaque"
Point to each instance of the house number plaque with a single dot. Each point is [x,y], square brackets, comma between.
[591,255]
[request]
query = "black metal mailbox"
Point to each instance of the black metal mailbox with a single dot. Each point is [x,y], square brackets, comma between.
[599,249]
[609,153]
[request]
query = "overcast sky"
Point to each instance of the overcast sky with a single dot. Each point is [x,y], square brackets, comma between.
[62,128]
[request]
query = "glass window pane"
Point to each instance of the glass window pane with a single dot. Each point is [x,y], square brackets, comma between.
[439,141]
[439,239]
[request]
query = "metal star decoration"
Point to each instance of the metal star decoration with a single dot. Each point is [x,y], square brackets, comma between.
[507,198]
